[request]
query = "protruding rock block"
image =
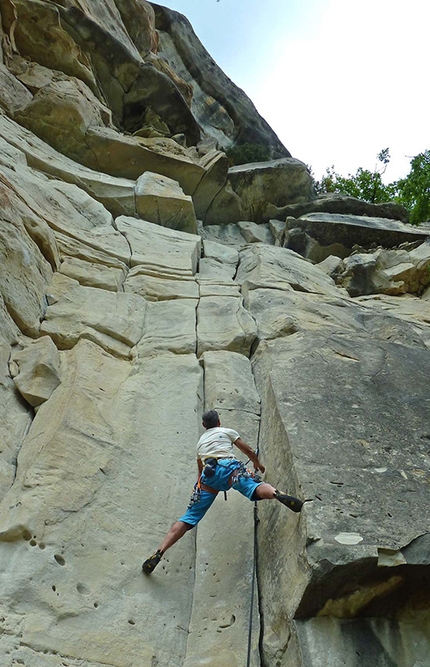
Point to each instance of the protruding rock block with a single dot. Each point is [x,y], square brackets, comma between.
[38,367]
[277,182]
[162,201]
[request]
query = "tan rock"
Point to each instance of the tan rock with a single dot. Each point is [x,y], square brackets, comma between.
[61,112]
[24,276]
[115,321]
[215,164]
[225,208]
[159,286]
[92,274]
[38,370]
[159,248]
[212,269]
[13,95]
[39,35]
[229,382]
[170,326]
[220,252]
[162,201]
[265,266]
[116,194]
[224,324]
[129,157]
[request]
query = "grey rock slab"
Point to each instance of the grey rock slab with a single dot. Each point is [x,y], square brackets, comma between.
[216,271]
[357,442]
[221,252]
[353,230]
[223,323]
[278,182]
[336,203]
[266,266]
[113,320]
[158,248]
[229,382]
[254,233]
[343,422]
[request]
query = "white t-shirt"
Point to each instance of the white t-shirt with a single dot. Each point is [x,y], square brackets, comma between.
[217,442]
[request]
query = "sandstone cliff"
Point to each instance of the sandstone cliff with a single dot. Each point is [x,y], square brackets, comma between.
[136,290]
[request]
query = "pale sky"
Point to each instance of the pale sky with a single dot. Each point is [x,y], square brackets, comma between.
[337,80]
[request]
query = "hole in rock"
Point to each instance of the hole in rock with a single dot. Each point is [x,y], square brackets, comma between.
[59,558]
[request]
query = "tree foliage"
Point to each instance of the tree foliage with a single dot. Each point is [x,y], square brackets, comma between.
[413,191]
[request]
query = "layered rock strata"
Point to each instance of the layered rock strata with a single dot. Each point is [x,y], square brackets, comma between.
[122,317]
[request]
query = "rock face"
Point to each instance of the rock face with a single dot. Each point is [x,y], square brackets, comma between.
[123,317]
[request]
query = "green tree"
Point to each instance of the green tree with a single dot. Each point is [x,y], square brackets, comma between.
[364,184]
[414,190]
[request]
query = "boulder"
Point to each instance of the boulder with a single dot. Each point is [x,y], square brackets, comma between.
[350,230]
[169,327]
[387,271]
[343,204]
[162,201]
[13,94]
[275,182]
[61,112]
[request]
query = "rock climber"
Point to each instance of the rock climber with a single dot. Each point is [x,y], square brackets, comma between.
[219,470]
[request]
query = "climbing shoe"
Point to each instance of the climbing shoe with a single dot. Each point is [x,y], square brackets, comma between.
[292,503]
[151,563]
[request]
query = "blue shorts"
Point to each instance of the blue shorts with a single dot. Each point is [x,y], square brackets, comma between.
[246,485]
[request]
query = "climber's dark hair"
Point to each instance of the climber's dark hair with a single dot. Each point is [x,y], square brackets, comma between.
[210,419]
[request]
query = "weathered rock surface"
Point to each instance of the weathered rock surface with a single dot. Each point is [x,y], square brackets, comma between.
[116,333]
[338,203]
[222,109]
[350,230]
[277,182]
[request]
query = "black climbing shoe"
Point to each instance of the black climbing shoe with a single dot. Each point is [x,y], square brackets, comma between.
[292,503]
[151,563]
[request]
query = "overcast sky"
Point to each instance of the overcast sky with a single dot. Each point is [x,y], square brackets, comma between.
[338,80]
